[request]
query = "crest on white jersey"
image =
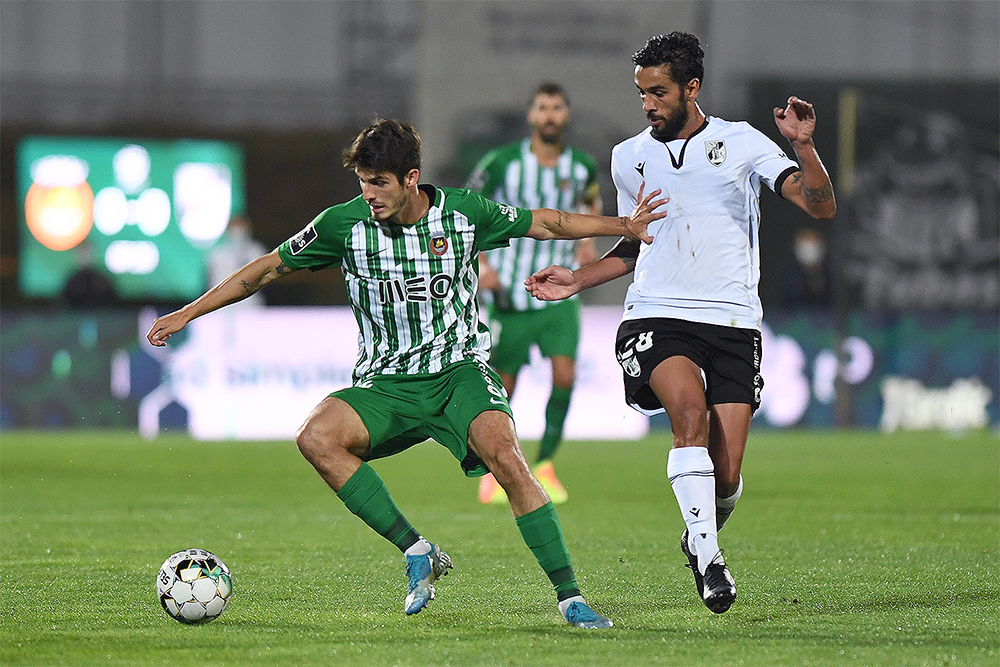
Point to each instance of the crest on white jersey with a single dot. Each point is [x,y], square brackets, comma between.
[716,152]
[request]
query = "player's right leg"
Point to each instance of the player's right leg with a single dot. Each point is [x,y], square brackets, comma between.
[334,439]
[492,438]
[677,383]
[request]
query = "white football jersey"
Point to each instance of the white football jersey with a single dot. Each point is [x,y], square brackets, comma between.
[704,262]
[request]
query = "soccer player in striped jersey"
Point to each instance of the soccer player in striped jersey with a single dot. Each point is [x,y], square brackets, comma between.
[538,172]
[409,255]
[689,341]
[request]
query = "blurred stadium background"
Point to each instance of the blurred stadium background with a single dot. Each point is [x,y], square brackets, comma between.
[130,132]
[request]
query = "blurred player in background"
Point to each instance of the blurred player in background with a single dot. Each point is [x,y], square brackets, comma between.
[540,171]
[689,341]
[409,254]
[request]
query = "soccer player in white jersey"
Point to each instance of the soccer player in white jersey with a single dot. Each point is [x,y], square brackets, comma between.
[689,341]
[539,171]
[409,254]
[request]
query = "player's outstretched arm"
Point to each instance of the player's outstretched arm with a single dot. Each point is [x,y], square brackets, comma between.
[810,189]
[238,286]
[547,223]
[556,283]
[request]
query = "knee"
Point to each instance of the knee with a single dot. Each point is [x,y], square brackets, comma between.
[316,442]
[564,373]
[689,426]
[309,442]
[507,465]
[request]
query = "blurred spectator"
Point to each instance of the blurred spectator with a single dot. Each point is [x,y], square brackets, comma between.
[236,247]
[807,282]
[89,286]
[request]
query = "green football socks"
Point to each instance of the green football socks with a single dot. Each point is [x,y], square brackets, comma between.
[543,534]
[366,495]
[555,417]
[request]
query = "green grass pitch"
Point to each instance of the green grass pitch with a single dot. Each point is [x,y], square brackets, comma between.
[848,548]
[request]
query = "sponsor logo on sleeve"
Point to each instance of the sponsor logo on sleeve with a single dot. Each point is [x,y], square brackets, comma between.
[509,211]
[301,241]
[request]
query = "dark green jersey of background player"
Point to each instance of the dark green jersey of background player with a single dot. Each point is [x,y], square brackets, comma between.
[512,175]
[412,288]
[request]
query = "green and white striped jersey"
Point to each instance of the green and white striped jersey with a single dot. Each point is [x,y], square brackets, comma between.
[412,288]
[512,175]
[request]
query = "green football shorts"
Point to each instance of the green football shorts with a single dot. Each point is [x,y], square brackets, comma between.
[401,411]
[555,329]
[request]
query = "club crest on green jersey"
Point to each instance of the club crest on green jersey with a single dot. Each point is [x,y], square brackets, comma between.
[439,245]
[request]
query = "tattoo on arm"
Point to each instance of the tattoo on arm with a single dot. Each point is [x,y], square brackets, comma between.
[562,219]
[281,269]
[819,195]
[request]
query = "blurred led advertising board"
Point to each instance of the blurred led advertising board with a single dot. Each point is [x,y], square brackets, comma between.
[144,213]
[257,373]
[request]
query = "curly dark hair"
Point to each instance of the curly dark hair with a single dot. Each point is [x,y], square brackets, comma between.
[680,50]
[385,146]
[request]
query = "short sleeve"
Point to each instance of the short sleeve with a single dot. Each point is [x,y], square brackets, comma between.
[769,161]
[496,223]
[319,245]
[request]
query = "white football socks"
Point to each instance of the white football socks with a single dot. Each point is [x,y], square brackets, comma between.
[692,477]
[724,506]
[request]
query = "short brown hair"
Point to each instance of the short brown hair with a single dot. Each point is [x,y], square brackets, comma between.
[548,88]
[385,146]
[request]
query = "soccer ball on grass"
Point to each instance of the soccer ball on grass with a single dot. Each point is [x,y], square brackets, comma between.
[194,586]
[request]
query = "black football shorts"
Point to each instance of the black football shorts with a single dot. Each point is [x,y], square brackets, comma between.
[728,357]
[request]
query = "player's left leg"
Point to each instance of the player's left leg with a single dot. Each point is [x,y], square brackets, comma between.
[727,440]
[734,386]
[509,354]
[490,491]
[556,331]
[563,376]
[492,438]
